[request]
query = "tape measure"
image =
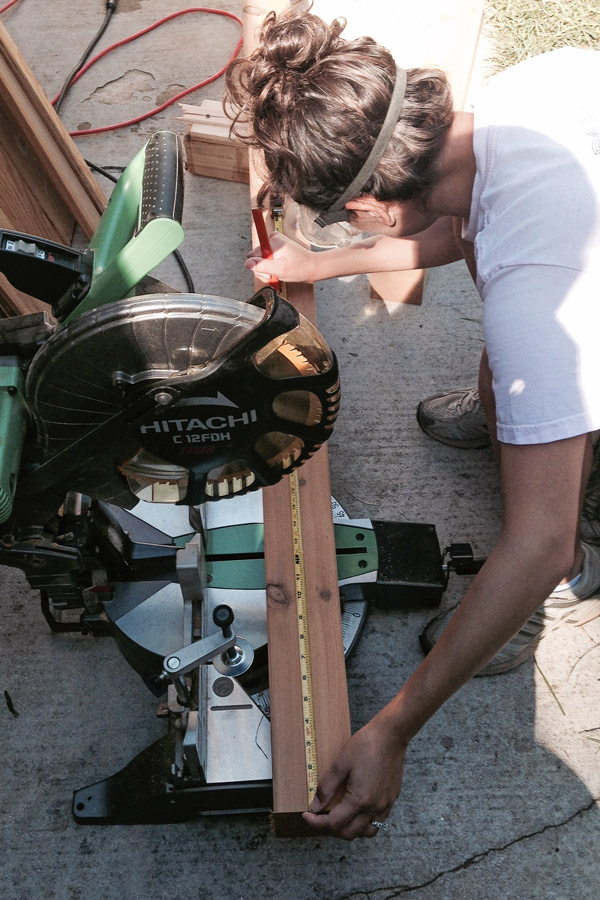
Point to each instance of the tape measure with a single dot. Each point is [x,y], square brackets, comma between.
[308,709]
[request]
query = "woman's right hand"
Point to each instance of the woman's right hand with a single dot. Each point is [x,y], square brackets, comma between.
[290,262]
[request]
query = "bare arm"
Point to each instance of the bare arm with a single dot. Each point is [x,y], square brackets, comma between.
[541,486]
[291,262]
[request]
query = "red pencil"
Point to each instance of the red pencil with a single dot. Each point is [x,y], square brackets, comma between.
[263,239]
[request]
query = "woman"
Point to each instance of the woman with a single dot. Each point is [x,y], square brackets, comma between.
[514,189]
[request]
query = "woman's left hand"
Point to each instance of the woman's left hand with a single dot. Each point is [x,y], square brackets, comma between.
[367,778]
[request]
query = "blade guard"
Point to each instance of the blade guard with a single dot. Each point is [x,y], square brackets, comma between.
[260,423]
[233,395]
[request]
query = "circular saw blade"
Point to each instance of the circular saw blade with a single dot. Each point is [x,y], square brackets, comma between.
[239,394]
[76,381]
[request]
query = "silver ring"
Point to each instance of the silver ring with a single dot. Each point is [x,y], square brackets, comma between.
[383,825]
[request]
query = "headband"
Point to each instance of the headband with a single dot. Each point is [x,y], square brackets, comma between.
[337,212]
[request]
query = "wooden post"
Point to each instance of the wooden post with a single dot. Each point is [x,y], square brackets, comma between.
[331,718]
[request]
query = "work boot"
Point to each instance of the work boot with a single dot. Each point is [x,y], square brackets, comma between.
[576,605]
[455,418]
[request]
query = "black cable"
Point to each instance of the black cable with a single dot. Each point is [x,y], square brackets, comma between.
[111,6]
[102,171]
[185,272]
[180,261]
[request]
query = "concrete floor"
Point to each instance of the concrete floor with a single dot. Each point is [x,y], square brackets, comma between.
[502,786]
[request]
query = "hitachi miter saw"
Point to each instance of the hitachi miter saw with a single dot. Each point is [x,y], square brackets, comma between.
[121,419]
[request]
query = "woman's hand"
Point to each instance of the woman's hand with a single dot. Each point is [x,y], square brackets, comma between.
[290,262]
[367,778]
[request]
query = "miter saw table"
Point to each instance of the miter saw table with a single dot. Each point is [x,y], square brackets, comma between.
[216,754]
[123,419]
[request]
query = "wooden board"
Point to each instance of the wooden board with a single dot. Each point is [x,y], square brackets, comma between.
[427,33]
[45,185]
[328,675]
[16,303]
[329,689]
[405,286]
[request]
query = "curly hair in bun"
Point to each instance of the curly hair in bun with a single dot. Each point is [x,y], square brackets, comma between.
[313,103]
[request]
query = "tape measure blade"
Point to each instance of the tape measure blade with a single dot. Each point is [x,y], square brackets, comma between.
[308,707]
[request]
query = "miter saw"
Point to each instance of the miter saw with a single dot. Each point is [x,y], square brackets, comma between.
[122,419]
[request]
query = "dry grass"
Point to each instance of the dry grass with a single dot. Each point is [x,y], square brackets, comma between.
[518,29]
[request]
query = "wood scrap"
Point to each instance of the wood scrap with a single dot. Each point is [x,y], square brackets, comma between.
[210,150]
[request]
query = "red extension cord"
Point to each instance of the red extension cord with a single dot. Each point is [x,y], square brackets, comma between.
[133,37]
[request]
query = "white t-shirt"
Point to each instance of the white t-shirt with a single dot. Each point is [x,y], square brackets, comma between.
[535,225]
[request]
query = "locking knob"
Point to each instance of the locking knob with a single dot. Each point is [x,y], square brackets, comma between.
[223,618]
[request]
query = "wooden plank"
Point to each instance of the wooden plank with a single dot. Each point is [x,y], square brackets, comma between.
[41,128]
[404,286]
[45,185]
[329,689]
[28,201]
[428,33]
[16,303]
[215,158]
[445,35]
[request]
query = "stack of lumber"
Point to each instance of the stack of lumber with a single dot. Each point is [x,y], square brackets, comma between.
[45,186]
[209,149]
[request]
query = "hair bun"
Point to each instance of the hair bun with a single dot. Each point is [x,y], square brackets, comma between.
[290,43]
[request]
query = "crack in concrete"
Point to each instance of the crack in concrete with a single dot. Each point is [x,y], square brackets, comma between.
[471,861]
[122,88]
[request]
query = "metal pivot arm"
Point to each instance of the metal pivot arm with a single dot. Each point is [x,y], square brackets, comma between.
[192,656]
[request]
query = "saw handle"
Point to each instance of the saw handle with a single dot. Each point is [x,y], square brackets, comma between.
[162,180]
[141,224]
